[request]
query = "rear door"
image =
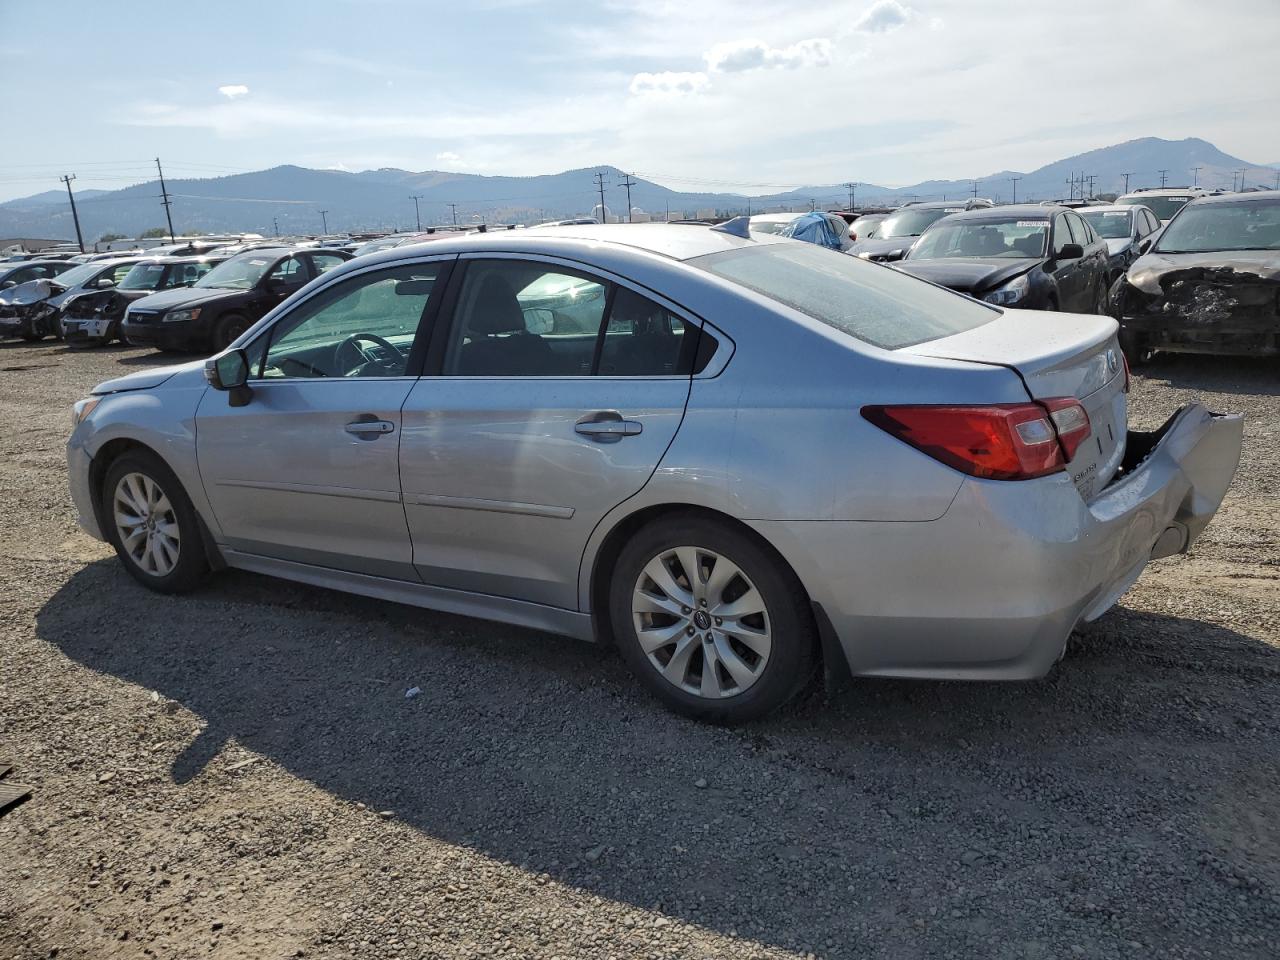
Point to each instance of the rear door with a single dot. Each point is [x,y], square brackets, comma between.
[1058,357]
[550,400]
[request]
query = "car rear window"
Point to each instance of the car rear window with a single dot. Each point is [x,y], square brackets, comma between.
[876,304]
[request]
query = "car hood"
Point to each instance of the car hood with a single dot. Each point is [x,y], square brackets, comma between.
[1149,272]
[185,297]
[969,275]
[187,373]
[33,291]
[878,247]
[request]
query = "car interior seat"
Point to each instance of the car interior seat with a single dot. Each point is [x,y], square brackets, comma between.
[498,343]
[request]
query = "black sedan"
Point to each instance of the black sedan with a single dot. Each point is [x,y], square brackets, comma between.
[1210,284]
[226,301]
[1028,257]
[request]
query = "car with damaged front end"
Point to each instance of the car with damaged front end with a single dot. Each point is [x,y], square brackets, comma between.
[1209,284]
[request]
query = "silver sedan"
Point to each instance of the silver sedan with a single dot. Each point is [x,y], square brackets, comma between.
[735,457]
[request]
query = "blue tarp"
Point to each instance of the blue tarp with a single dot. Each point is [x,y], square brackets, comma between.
[812,228]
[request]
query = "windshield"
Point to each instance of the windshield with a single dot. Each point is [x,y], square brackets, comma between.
[144,276]
[79,274]
[982,238]
[875,304]
[238,273]
[1251,225]
[1110,224]
[1162,207]
[911,223]
[770,226]
[867,228]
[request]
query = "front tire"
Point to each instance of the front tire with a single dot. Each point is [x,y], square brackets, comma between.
[227,329]
[714,624]
[1136,348]
[152,525]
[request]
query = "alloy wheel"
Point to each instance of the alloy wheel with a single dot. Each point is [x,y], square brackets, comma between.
[146,524]
[701,622]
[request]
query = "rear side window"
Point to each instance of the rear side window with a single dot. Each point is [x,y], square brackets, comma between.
[875,304]
[643,339]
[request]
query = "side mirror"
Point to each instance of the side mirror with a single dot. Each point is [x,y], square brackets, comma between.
[7,284]
[229,371]
[1144,244]
[1070,251]
[106,283]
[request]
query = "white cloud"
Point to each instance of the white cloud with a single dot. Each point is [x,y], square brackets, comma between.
[448,157]
[756,54]
[668,84]
[233,90]
[884,16]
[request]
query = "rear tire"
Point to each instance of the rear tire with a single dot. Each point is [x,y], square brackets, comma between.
[736,645]
[1136,348]
[149,520]
[227,329]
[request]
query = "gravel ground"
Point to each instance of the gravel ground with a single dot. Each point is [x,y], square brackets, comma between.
[238,773]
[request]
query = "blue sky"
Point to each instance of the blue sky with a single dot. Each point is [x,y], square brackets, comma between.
[735,95]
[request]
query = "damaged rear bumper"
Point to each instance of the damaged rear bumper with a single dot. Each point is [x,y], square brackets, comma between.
[993,588]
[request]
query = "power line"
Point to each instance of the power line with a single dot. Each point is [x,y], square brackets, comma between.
[164,193]
[67,178]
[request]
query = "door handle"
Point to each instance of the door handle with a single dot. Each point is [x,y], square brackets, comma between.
[369,429]
[607,426]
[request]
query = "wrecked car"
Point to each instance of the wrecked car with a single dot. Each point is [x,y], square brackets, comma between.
[1029,257]
[899,230]
[1128,230]
[1209,284]
[93,319]
[33,310]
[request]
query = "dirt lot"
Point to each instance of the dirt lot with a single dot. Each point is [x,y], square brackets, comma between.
[238,773]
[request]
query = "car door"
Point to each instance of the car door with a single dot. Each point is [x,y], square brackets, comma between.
[549,399]
[1093,266]
[308,470]
[322,261]
[283,280]
[1066,273]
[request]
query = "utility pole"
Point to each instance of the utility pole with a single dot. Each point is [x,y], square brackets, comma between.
[1164,178]
[628,181]
[1092,178]
[604,217]
[1015,188]
[852,188]
[1278,179]
[275,223]
[1195,175]
[812,205]
[1126,181]
[453,209]
[164,199]
[324,221]
[74,216]
[417,216]
[1244,171]
[975,188]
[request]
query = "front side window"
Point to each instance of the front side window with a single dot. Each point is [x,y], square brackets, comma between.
[872,303]
[289,272]
[362,327]
[1061,235]
[143,276]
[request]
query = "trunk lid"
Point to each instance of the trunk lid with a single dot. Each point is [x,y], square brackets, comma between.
[1057,355]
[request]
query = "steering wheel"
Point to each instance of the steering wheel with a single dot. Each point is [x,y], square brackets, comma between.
[391,362]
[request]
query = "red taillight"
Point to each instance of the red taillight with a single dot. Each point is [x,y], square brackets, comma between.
[999,441]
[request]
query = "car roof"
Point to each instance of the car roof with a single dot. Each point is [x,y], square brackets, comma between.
[1012,211]
[674,241]
[1251,197]
[36,263]
[1112,208]
[1165,192]
[777,217]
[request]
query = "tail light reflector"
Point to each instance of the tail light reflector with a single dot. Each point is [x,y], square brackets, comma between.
[1000,441]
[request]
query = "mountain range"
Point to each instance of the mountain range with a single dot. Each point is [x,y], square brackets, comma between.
[289,199]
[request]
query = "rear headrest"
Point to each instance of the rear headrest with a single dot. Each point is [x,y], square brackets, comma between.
[496,309]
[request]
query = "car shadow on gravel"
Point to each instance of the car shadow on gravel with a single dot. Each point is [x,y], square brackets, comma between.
[157,358]
[820,829]
[1253,376]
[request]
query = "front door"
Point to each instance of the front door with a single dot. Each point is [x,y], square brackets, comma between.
[553,400]
[308,469]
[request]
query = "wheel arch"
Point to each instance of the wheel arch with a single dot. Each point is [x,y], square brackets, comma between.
[832,659]
[113,450]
